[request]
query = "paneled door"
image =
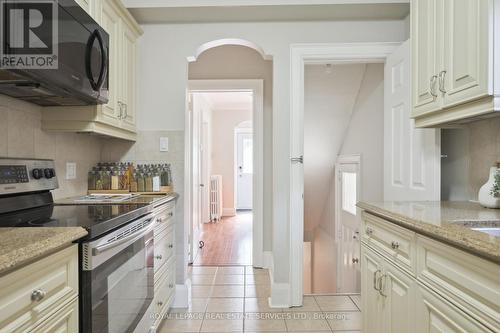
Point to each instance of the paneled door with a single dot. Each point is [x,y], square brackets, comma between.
[411,155]
[244,170]
[371,299]
[128,68]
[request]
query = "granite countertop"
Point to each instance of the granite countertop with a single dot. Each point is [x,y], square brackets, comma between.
[19,246]
[451,222]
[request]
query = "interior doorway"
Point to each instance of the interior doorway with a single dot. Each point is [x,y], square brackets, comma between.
[406,151]
[226,169]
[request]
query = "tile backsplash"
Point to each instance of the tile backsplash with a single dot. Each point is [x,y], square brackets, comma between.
[21,136]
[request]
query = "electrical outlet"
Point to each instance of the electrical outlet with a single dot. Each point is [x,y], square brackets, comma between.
[163,143]
[70,170]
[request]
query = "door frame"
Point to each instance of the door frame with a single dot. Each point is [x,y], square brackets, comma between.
[256,86]
[238,130]
[302,54]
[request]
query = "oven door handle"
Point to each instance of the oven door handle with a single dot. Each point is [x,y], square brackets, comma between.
[128,239]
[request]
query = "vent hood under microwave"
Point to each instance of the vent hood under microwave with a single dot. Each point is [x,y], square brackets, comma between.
[81,77]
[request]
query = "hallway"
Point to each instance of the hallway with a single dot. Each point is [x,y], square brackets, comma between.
[235,299]
[227,242]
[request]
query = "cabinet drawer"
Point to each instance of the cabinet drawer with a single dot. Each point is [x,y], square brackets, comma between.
[64,320]
[164,247]
[164,294]
[395,242]
[472,283]
[164,218]
[30,294]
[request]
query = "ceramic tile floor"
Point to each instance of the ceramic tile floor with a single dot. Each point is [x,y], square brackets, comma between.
[235,299]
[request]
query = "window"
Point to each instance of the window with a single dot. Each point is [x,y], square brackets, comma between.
[349,192]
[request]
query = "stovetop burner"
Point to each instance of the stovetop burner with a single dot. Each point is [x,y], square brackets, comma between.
[96,219]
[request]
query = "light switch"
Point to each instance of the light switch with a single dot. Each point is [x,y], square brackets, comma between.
[70,170]
[163,143]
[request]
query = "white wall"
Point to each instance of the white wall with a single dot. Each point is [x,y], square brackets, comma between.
[162,83]
[328,103]
[365,135]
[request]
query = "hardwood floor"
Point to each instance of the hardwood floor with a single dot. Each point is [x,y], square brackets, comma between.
[227,242]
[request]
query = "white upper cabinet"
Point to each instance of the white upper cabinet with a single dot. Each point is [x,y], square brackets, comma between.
[424,64]
[116,118]
[454,54]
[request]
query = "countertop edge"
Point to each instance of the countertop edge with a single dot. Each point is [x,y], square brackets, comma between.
[24,255]
[432,231]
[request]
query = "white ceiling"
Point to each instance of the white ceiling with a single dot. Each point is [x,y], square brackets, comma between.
[199,11]
[229,100]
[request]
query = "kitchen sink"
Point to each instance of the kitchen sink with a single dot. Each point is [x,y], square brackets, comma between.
[488,227]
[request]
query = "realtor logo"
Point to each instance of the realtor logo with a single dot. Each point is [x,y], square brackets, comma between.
[28,34]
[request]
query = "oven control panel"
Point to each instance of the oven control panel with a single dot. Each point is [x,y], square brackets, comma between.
[22,175]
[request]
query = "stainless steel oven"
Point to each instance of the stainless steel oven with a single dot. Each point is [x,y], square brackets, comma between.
[116,282]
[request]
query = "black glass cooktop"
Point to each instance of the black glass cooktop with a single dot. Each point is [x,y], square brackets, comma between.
[96,219]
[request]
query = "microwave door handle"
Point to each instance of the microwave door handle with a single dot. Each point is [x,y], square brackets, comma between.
[128,239]
[88,64]
[104,62]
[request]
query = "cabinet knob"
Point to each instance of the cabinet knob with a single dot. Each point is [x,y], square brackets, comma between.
[171,285]
[395,245]
[37,295]
[159,257]
[355,260]
[171,214]
[369,231]
[170,246]
[160,303]
[159,220]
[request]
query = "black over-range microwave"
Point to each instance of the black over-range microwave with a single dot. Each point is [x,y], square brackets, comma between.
[81,76]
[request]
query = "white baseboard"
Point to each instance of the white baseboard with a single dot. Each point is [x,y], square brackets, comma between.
[228,211]
[182,292]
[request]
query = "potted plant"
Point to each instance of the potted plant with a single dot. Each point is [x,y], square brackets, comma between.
[489,194]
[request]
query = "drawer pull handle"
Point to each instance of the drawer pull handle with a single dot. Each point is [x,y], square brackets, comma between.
[37,295]
[395,245]
[369,231]
[159,257]
[170,246]
[171,285]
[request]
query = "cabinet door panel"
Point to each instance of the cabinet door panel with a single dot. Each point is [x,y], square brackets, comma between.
[371,298]
[110,21]
[128,58]
[466,51]
[63,321]
[399,303]
[434,315]
[425,55]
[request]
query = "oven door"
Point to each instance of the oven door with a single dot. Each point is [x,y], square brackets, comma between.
[117,282]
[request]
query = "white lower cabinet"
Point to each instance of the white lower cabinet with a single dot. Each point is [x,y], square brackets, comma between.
[42,296]
[451,291]
[63,321]
[164,276]
[435,315]
[387,295]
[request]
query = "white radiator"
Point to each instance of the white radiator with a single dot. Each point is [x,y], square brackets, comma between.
[215,198]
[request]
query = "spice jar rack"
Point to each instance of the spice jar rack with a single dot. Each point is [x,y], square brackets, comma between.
[122,178]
